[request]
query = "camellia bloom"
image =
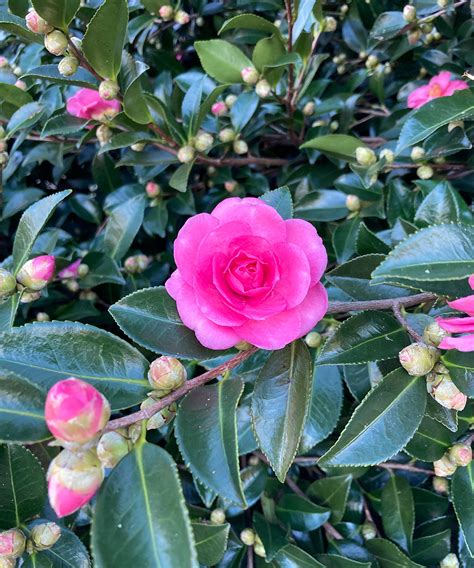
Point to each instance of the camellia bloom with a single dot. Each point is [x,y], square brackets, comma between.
[441,85]
[245,274]
[70,271]
[75,411]
[464,326]
[37,272]
[88,104]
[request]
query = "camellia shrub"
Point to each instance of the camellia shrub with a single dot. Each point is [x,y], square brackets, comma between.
[236,284]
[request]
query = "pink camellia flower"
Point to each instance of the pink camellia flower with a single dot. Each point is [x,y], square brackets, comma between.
[37,272]
[464,326]
[245,274]
[441,85]
[75,411]
[73,479]
[88,104]
[71,271]
[219,109]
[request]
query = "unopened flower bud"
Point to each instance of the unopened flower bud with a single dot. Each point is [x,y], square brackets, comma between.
[219,109]
[313,339]
[104,134]
[4,157]
[138,146]
[263,88]
[227,135]
[353,203]
[388,155]
[249,75]
[112,447]
[217,517]
[440,485]
[42,317]
[7,283]
[73,479]
[443,3]
[56,42]
[166,373]
[418,359]
[425,172]
[181,17]
[329,24]
[75,411]
[259,550]
[19,84]
[445,392]
[417,153]
[28,297]
[368,531]
[68,66]
[82,270]
[77,43]
[166,13]
[186,154]
[152,189]
[230,185]
[72,285]
[108,89]
[203,141]
[37,272]
[230,100]
[12,543]
[45,535]
[444,466]
[414,37]
[36,24]
[243,346]
[143,262]
[247,536]
[433,334]
[451,560]
[409,13]
[460,454]
[199,21]
[365,156]
[371,62]
[7,562]
[309,108]
[240,147]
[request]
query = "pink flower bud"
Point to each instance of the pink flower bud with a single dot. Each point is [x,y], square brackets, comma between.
[418,359]
[219,109]
[112,447]
[181,17]
[108,89]
[37,272]
[73,479]
[249,75]
[4,63]
[71,271]
[166,374]
[444,467]
[45,535]
[166,13]
[460,454]
[36,23]
[75,411]
[19,84]
[440,485]
[7,283]
[12,543]
[445,392]
[230,185]
[152,189]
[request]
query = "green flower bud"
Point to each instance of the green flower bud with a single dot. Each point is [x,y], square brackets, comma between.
[72,285]
[68,66]
[443,3]
[460,454]
[186,154]
[104,134]
[112,447]
[218,517]
[418,359]
[181,17]
[417,153]
[230,100]
[440,485]
[365,156]
[247,536]
[372,62]
[409,13]
[45,535]
[263,88]
[313,339]
[42,317]
[249,75]
[138,146]
[353,203]
[333,125]
[368,531]
[203,141]
[227,135]
[309,108]
[388,155]
[240,147]
[166,374]
[259,550]
[433,334]
[444,467]
[28,297]
[4,157]
[344,9]
[7,283]
[108,89]
[82,270]
[56,42]
[425,172]
[329,24]
[451,560]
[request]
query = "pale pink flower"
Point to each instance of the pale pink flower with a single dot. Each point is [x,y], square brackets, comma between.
[88,104]
[441,85]
[463,326]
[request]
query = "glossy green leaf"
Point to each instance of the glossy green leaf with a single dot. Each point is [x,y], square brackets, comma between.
[122,226]
[443,204]
[25,117]
[395,405]
[388,555]
[14,95]
[331,493]
[273,537]
[134,102]
[22,486]
[211,542]
[398,511]
[206,431]
[336,561]
[222,60]
[8,310]
[81,78]
[150,318]
[433,548]
[249,22]
[293,557]
[143,497]
[179,179]
[300,513]
[387,25]
[339,146]
[461,370]
[45,353]
[462,496]
[102,270]
[63,124]
[323,205]
[280,400]
[280,200]
[430,441]
[367,336]
[58,13]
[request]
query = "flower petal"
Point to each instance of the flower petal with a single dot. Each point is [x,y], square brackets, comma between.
[456,325]
[464,343]
[465,304]
[418,97]
[304,235]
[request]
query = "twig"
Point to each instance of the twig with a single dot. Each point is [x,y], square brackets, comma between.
[401,318]
[405,467]
[408,301]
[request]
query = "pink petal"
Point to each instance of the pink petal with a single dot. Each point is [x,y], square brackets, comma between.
[471,281]
[64,501]
[464,343]
[214,336]
[442,79]
[454,86]
[456,325]
[464,305]
[303,234]
[295,275]
[418,97]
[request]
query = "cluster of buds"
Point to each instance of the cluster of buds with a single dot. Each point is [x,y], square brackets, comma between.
[250,538]
[418,359]
[165,375]
[12,546]
[251,76]
[136,264]
[459,455]
[167,14]
[441,387]
[365,156]
[162,417]
[424,171]
[227,135]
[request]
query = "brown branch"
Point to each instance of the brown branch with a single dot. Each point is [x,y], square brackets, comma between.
[405,467]
[408,301]
[401,318]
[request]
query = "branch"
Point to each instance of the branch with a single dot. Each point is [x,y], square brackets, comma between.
[405,467]
[407,301]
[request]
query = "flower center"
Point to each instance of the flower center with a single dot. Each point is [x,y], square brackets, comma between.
[435,91]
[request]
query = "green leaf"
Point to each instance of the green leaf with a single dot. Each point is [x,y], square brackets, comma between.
[280,200]
[339,146]
[206,431]
[441,252]
[269,51]
[103,42]
[279,404]
[272,536]
[81,78]
[430,441]
[336,561]
[63,124]
[58,13]
[323,205]
[367,336]
[293,557]
[8,309]
[431,549]
[21,410]
[332,493]
[461,369]
[102,270]
[123,225]
[398,511]
[462,496]
[180,177]
[249,22]
[388,555]
[14,96]
[143,497]
[387,25]
[344,239]
[395,405]
[30,225]
[300,513]
[22,486]
[443,204]
[134,102]
[191,103]
[222,60]
[48,352]
[16,26]
[211,542]
[435,114]
[25,117]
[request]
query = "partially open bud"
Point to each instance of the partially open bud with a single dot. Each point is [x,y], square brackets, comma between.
[230,185]
[451,560]
[409,13]
[417,153]
[353,203]
[108,89]
[7,283]
[230,100]
[37,272]
[433,334]
[309,108]
[388,155]
[166,13]
[203,141]
[136,264]
[249,75]
[219,109]
[166,373]
[75,411]
[460,454]
[418,359]
[240,147]
[12,543]
[444,466]
[56,42]
[263,88]
[112,447]
[227,135]
[217,517]
[329,24]
[186,154]
[425,172]
[313,339]
[35,23]
[247,536]
[45,535]
[365,156]
[368,531]
[181,17]
[73,479]
[68,66]
[42,317]
[152,189]
[440,485]
[104,134]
